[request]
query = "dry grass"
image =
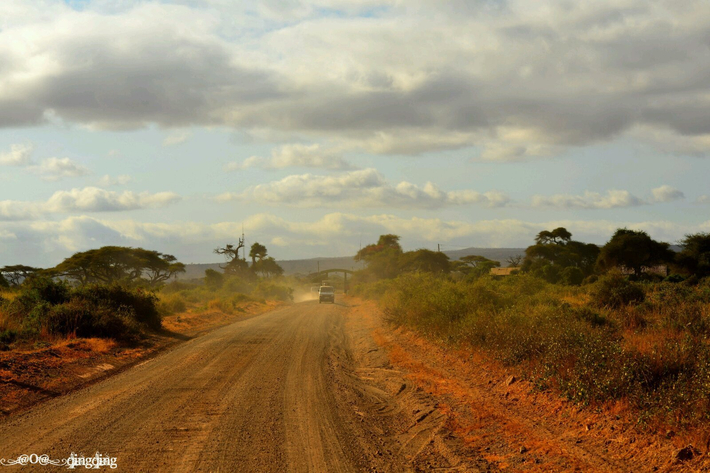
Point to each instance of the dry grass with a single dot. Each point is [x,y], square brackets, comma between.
[652,354]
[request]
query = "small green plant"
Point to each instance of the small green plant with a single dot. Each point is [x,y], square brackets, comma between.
[615,290]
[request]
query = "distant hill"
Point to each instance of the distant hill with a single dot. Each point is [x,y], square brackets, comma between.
[496,254]
[311,265]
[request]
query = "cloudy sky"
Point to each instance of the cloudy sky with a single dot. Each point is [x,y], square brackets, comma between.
[322,124]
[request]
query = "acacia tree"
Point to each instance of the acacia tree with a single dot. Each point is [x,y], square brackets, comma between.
[694,258]
[425,261]
[17,273]
[476,265]
[634,250]
[235,265]
[554,251]
[262,264]
[382,258]
[118,264]
[515,261]
[257,252]
[267,267]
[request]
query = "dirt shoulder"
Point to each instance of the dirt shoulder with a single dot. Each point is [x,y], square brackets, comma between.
[32,374]
[477,416]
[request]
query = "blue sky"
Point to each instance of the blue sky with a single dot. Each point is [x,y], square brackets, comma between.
[320,124]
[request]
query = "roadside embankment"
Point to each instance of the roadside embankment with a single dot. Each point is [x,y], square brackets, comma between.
[515,425]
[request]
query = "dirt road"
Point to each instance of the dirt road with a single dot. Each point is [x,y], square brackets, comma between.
[277,392]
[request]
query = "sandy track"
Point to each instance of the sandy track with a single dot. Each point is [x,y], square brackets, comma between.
[277,392]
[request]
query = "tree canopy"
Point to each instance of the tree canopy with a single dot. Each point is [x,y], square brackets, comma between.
[475,265]
[267,267]
[17,273]
[257,252]
[424,260]
[235,265]
[118,264]
[634,250]
[554,251]
[382,258]
[694,258]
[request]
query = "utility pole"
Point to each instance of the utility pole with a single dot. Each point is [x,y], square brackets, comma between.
[244,247]
[438,247]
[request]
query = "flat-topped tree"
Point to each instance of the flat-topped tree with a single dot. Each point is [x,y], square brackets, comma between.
[634,250]
[118,264]
[17,273]
[475,265]
[554,251]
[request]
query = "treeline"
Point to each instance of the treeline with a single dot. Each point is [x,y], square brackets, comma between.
[554,257]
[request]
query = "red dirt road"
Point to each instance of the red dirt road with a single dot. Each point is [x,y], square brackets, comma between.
[277,392]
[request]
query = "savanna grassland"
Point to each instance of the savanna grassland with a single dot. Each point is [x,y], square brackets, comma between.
[571,318]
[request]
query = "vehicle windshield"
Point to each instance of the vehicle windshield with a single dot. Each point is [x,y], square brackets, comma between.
[326,290]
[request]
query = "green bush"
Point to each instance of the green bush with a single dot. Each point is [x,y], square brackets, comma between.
[271,290]
[557,340]
[82,318]
[614,290]
[171,304]
[140,303]
[213,279]
[7,336]
[572,276]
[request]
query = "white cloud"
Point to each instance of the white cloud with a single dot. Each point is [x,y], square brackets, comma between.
[612,199]
[88,199]
[19,155]
[110,181]
[666,193]
[18,210]
[703,199]
[93,199]
[54,169]
[333,234]
[362,188]
[176,138]
[296,155]
[407,77]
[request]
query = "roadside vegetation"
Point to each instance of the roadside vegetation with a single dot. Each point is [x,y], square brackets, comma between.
[124,293]
[628,322]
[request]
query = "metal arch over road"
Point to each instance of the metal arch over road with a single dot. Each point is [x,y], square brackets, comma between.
[325,273]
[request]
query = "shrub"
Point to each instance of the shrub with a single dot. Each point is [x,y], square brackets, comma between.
[270,290]
[572,276]
[221,305]
[82,318]
[585,350]
[171,304]
[674,278]
[141,302]
[177,286]
[213,279]
[36,291]
[236,284]
[238,299]
[614,290]
[7,336]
